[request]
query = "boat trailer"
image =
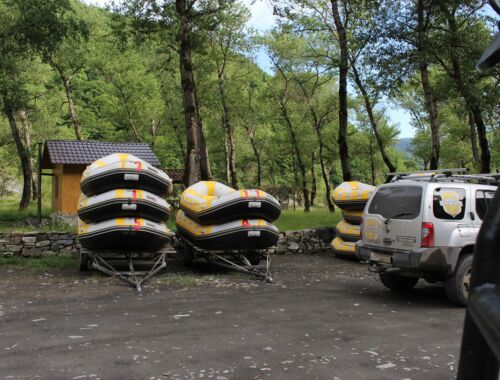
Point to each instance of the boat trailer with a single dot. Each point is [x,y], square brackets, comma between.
[244,261]
[108,262]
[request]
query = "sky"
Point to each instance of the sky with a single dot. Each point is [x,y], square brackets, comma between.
[262,20]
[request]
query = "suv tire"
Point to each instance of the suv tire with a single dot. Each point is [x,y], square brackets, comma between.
[397,283]
[457,285]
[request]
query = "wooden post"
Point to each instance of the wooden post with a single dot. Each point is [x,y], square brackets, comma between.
[39,178]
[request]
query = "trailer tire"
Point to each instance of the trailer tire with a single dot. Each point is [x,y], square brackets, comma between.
[253,258]
[187,255]
[84,262]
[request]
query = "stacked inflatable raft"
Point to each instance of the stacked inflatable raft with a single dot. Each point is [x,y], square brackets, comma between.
[122,205]
[213,216]
[351,197]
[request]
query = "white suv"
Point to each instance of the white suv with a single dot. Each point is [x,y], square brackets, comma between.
[425,225]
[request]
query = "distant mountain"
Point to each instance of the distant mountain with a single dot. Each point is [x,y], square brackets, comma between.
[403,145]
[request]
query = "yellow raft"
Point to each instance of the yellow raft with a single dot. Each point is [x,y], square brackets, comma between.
[352,217]
[341,247]
[123,233]
[124,171]
[352,195]
[247,234]
[348,232]
[210,202]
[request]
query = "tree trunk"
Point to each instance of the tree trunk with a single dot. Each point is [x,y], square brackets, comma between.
[430,101]
[229,129]
[372,162]
[176,128]
[296,150]
[196,163]
[373,123]
[343,71]
[257,158]
[313,178]
[483,140]
[226,156]
[23,116]
[473,140]
[23,156]
[71,101]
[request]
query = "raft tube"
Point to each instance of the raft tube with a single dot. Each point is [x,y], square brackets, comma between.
[341,247]
[123,203]
[210,202]
[348,232]
[352,217]
[243,234]
[352,195]
[124,171]
[123,233]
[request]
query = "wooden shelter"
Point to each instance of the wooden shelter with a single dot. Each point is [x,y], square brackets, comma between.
[68,159]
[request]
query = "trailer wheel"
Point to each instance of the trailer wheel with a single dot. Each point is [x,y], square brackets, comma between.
[457,286]
[187,255]
[84,262]
[397,283]
[253,257]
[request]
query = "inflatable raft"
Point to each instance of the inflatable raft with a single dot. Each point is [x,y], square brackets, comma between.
[210,202]
[242,234]
[341,247]
[352,195]
[348,232]
[352,217]
[123,233]
[124,171]
[123,203]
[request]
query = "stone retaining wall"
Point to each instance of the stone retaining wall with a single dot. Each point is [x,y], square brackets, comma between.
[36,244]
[306,241]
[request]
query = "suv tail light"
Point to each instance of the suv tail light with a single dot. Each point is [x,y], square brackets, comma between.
[427,235]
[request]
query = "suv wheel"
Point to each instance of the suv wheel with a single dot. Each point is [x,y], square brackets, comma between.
[397,283]
[457,286]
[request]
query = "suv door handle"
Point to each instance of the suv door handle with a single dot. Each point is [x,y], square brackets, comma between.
[472,216]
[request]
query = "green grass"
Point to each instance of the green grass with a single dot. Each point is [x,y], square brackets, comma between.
[41,264]
[13,220]
[299,220]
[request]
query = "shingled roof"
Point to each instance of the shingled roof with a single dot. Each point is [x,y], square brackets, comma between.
[74,152]
[177,175]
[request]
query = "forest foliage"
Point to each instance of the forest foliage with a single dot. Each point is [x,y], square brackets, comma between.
[182,76]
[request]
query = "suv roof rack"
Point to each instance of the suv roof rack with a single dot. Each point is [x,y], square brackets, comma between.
[450,175]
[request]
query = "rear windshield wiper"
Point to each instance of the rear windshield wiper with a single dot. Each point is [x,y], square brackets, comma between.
[397,215]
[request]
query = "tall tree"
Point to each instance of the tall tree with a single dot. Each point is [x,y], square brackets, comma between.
[341,23]
[27,28]
[183,17]
[459,46]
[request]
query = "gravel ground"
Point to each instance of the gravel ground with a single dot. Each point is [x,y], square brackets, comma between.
[322,318]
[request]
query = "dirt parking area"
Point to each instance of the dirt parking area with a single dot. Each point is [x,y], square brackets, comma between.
[322,318]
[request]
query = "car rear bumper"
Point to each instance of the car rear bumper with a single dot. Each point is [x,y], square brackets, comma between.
[435,260]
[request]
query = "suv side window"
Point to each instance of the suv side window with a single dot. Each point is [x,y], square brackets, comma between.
[483,201]
[449,203]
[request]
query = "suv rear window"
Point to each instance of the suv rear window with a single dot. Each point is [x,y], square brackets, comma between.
[449,203]
[483,201]
[398,202]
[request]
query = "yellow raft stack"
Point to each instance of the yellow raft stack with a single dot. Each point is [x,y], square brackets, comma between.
[351,197]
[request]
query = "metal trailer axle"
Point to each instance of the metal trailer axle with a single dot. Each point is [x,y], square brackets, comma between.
[132,276]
